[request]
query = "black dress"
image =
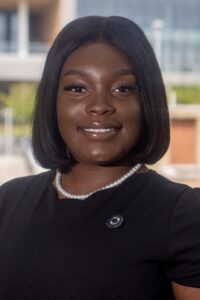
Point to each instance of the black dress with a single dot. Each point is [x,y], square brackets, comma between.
[53,249]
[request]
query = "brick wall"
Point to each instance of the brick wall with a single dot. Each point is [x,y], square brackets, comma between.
[183,141]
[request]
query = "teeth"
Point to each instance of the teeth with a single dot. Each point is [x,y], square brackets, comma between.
[97,130]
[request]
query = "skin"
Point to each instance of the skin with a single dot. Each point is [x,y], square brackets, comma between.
[185,293]
[97,91]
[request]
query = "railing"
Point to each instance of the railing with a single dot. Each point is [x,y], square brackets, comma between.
[34,47]
[8,47]
[38,47]
[6,140]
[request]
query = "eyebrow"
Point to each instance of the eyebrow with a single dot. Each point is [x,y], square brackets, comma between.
[121,72]
[75,72]
[125,72]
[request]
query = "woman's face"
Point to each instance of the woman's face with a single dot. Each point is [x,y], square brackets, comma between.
[98,109]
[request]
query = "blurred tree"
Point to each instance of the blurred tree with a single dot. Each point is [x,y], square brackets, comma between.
[21,100]
[187,94]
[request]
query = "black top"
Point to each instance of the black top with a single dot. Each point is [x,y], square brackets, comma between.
[53,249]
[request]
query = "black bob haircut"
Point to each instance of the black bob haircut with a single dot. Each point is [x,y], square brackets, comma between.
[48,146]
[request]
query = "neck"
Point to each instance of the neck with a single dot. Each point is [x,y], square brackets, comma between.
[84,178]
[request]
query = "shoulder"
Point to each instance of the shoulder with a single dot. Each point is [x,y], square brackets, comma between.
[26,184]
[165,197]
[17,196]
[160,185]
[183,240]
[159,190]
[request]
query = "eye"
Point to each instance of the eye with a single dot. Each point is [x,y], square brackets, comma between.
[75,89]
[126,89]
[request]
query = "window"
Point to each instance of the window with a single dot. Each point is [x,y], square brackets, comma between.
[180,33]
[8,31]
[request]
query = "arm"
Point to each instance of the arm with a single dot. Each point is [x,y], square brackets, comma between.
[184,247]
[182,292]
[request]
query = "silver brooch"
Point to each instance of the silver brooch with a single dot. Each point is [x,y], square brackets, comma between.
[115,221]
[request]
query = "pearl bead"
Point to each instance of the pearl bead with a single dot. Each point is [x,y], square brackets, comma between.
[84,196]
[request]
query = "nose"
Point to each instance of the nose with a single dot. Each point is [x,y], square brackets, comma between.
[100,105]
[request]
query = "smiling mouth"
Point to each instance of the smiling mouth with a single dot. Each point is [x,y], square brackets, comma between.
[99,130]
[100,134]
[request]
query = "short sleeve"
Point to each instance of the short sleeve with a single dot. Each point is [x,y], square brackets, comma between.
[183,265]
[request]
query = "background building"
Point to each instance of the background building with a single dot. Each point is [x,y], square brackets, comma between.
[26,30]
[172,26]
[28,27]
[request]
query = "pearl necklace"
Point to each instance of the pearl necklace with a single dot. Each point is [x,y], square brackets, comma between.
[84,196]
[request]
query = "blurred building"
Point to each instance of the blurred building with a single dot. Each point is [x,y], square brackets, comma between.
[182,160]
[173,27]
[28,27]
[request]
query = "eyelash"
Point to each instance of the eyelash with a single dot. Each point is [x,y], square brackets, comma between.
[78,88]
[130,88]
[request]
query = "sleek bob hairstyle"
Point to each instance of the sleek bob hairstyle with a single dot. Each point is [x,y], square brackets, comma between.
[48,146]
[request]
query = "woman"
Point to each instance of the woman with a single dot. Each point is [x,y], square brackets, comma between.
[100,224]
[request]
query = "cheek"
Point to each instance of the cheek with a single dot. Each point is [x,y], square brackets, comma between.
[133,119]
[67,114]
[64,122]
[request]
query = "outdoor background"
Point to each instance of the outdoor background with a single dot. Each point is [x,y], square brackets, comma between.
[27,29]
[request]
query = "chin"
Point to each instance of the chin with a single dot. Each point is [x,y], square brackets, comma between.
[102,160]
[95,156]
[106,160]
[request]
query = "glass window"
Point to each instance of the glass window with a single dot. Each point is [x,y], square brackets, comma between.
[37,43]
[180,34]
[8,31]
[34,27]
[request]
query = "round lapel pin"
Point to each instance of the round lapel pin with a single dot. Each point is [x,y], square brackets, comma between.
[115,221]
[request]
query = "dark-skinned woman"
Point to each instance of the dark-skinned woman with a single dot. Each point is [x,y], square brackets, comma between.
[99,224]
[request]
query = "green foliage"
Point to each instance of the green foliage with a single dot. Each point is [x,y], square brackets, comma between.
[21,130]
[187,94]
[21,100]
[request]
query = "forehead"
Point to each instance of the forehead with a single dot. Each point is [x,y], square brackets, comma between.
[99,55]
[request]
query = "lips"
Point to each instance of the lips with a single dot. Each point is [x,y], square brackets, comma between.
[98,131]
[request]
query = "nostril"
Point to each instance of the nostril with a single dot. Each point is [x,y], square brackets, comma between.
[100,108]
